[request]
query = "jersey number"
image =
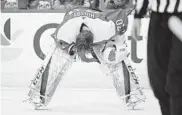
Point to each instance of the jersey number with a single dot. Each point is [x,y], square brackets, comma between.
[119,23]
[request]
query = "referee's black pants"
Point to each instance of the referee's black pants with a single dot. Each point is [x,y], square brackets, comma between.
[164,53]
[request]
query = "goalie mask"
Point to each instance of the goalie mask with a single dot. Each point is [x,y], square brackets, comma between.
[115,50]
[84,39]
[84,44]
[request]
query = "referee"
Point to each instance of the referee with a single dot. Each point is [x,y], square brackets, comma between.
[164,52]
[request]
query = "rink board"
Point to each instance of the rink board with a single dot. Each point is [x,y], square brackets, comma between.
[21,56]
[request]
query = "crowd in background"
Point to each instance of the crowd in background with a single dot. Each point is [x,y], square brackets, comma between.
[45,4]
[61,5]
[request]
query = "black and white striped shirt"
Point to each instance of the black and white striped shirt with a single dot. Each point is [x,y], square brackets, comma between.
[161,6]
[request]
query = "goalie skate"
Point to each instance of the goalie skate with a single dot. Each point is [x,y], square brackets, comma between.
[135,98]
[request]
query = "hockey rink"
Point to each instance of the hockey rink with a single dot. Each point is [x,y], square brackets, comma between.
[83,91]
[87,93]
[69,101]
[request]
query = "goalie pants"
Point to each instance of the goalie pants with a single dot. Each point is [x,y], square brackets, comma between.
[164,53]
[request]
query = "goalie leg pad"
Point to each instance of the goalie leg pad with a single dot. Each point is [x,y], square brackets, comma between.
[42,89]
[126,83]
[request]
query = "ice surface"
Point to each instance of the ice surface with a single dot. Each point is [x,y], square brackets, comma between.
[76,101]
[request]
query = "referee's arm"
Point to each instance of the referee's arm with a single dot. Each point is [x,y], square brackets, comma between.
[140,12]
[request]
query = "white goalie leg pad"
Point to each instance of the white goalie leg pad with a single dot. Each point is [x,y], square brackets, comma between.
[60,63]
[125,85]
[136,95]
[122,82]
[116,73]
[35,86]
[48,77]
[112,70]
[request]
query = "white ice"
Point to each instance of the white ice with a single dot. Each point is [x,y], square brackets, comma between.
[76,101]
